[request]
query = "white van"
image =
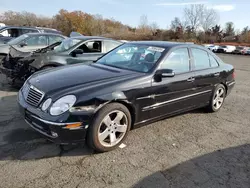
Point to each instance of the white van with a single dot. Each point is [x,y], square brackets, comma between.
[230,49]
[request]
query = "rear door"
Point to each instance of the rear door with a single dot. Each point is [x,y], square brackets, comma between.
[174,94]
[206,70]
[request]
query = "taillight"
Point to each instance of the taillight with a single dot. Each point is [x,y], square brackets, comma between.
[234,75]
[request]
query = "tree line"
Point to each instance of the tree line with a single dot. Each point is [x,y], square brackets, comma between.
[198,24]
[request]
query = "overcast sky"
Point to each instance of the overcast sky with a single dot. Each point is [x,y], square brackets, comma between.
[129,11]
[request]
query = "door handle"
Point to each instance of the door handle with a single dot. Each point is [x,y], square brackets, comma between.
[191,79]
[217,74]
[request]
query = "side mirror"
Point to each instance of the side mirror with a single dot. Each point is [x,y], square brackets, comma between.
[76,52]
[22,44]
[163,73]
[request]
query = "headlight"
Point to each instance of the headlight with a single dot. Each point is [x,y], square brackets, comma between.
[46,104]
[62,105]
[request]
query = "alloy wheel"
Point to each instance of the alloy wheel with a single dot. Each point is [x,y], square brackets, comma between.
[218,98]
[113,128]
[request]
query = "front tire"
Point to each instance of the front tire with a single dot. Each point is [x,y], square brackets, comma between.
[109,128]
[217,99]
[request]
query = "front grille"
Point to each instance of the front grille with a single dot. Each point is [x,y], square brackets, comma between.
[33,95]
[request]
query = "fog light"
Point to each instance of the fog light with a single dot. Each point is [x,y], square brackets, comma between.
[54,134]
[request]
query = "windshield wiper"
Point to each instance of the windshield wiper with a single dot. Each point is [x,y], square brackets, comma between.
[110,65]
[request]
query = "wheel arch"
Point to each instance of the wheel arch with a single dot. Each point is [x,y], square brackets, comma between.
[222,83]
[125,103]
[52,64]
[131,109]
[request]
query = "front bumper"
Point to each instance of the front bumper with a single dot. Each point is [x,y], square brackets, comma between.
[52,129]
[7,72]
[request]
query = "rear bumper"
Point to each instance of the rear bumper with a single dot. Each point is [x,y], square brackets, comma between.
[230,86]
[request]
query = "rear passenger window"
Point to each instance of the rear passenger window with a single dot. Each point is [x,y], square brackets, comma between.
[54,39]
[201,59]
[213,61]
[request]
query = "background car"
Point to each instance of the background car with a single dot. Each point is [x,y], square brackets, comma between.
[225,49]
[75,50]
[244,50]
[9,32]
[213,48]
[15,66]
[18,66]
[247,52]
[100,102]
[30,42]
[238,50]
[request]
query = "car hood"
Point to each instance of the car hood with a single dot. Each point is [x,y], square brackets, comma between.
[42,59]
[4,48]
[76,77]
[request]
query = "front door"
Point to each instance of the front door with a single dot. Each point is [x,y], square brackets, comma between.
[92,50]
[33,43]
[173,94]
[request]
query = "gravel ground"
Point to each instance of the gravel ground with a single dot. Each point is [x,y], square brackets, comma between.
[195,149]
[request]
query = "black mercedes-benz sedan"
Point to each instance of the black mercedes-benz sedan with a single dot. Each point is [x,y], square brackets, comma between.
[133,85]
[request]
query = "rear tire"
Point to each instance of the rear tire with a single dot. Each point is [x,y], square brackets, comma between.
[217,99]
[109,128]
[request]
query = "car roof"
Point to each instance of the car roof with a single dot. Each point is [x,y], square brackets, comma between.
[27,27]
[165,44]
[90,37]
[34,34]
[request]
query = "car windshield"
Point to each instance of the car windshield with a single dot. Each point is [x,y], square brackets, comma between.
[67,44]
[18,39]
[140,58]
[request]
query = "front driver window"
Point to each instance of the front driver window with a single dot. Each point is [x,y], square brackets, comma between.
[178,61]
[94,46]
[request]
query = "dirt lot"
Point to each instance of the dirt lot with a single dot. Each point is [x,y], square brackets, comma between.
[195,149]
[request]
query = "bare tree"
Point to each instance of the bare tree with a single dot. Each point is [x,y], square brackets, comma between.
[209,18]
[154,26]
[229,29]
[194,15]
[176,23]
[143,22]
